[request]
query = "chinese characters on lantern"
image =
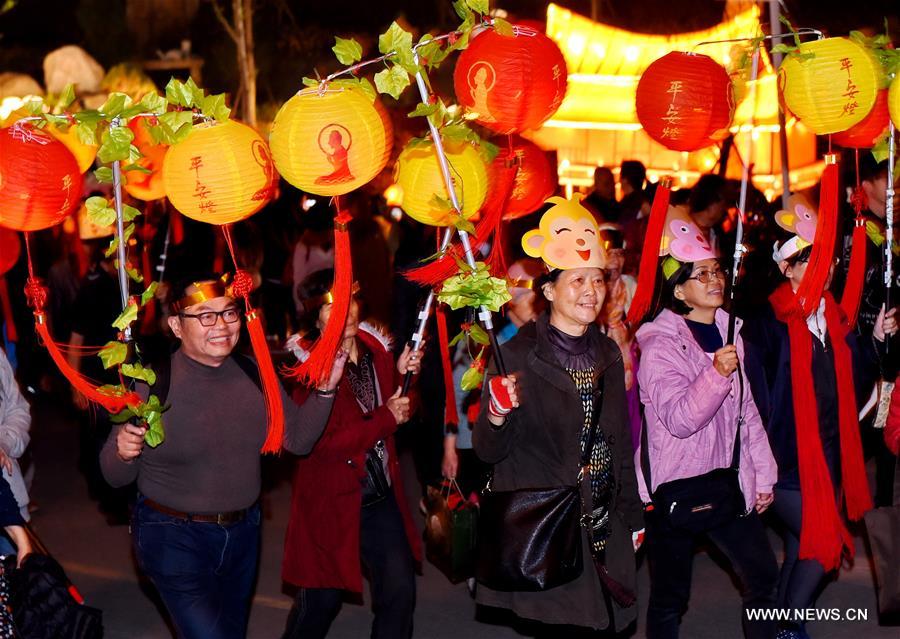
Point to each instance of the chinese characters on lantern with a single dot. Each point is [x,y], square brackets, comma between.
[201,191]
[851,89]
[672,116]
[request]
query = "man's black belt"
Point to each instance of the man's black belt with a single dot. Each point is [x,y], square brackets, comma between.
[231,517]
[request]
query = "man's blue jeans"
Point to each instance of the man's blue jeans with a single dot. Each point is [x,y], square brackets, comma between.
[203,572]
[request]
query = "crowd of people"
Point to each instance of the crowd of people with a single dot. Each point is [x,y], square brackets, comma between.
[659,435]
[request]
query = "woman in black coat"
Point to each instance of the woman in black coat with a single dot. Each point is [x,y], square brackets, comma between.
[535,423]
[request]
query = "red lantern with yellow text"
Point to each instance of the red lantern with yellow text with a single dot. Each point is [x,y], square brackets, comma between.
[141,185]
[40,183]
[685,101]
[535,180]
[221,173]
[511,83]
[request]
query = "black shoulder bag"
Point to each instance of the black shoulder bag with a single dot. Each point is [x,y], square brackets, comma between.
[704,502]
[530,539]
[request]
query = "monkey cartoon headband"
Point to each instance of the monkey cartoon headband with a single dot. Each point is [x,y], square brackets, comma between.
[682,242]
[567,237]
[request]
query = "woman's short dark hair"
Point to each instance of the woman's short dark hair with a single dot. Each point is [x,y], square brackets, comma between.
[679,277]
[549,277]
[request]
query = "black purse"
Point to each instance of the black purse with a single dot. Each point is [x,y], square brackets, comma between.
[529,540]
[704,502]
[375,486]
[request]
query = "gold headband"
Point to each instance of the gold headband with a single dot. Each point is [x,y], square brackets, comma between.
[319,301]
[206,290]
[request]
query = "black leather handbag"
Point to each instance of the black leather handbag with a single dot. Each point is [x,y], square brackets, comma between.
[375,485]
[703,502]
[529,540]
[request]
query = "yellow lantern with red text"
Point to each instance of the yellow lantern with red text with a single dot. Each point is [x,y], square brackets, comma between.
[141,185]
[419,175]
[833,89]
[894,101]
[331,141]
[221,173]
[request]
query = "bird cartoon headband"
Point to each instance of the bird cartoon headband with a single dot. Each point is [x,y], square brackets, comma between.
[567,237]
[682,242]
[801,220]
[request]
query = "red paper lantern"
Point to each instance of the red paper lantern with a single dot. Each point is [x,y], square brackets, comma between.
[9,249]
[40,184]
[535,179]
[513,83]
[685,101]
[140,185]
[864,134]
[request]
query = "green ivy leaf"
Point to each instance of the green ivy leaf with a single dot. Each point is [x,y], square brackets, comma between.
[423,110]
[126,317]
[488,151]
[394,39]
[472,378]
[479,335]
[358,84]
[149,292]
[392,81]
[213,106]
[104,175]
[479,6]
[503,27]
[138,168]
[195,91]
[67,97]
[122,417]
[464,225]
[155,434]
[137,371]
[154,103]
[128,214]
[347,50]
[173,127]
[90,118]
[116,144]
[456,339]
[310,82]
[115,104]
[474,289]
[113,353]
[34,107]
[439,202]
[457,133]
[178,94]
[86,133]
[99,211]
[431,53]
[134,274]
[462,9]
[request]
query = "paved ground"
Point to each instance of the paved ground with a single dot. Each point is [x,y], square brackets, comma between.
[98,559]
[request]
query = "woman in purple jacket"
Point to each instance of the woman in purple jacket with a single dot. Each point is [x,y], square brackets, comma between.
[694,396]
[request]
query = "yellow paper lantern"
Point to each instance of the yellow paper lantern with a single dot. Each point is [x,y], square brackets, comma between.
[330,142]
[221,173]
[84,153]
[894,101]
[832,90]
[419,175]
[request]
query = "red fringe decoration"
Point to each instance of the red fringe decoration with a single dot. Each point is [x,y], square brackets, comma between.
[270,384]
[437,271]
[820,261]
[112,403]
[6,307]
[317,368]
[643,295]
[823,534]
[177,227]
[450,414]
[856,274]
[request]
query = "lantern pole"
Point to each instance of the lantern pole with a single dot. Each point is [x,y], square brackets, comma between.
[484,314]
[775,27]
[889,222]
[739,249]
[120,233]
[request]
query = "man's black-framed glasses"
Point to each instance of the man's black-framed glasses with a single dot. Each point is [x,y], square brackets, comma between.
[209,318]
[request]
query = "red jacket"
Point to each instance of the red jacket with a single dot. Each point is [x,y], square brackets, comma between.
[321,548]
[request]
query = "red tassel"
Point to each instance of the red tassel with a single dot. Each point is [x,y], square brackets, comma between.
[437,271]
[450,414]
[821,260]
[177,227]
[856,274]
[270,384]
[6,307]
[317,368]
[112,403]
[643,295]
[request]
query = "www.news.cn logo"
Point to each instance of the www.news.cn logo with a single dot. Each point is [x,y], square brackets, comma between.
[803,615]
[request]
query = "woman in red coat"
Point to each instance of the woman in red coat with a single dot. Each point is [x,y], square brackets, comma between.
[348,507]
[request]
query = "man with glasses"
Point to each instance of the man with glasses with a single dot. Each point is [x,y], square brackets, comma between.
[196,523]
